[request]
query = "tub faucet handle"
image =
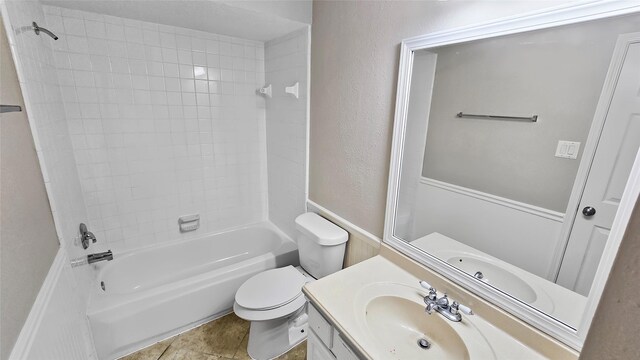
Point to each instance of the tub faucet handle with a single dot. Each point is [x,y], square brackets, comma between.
[86,236]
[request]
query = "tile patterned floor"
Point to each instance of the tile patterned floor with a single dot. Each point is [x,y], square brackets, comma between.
[222,339]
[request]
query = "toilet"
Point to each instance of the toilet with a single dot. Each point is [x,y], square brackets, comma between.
[273,301]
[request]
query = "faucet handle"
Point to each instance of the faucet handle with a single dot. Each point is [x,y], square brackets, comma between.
[456,306]
[433,293]
[426,285]
[465,309]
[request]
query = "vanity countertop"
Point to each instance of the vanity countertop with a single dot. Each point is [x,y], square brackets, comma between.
[338,298]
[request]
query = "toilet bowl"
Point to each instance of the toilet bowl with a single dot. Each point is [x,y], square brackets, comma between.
[273,300]
[274,303]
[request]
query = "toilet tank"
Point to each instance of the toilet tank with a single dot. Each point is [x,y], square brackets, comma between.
[321,245]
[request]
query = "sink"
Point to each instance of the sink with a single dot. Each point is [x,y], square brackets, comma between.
[400,323]
[496,277]
[393,317]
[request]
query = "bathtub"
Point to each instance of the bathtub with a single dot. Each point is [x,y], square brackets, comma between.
[157,292]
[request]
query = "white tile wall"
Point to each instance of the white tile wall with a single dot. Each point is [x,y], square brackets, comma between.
[35,64]
[286,63]
[164,122]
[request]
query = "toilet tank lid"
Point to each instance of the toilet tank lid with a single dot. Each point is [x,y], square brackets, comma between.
[321,230]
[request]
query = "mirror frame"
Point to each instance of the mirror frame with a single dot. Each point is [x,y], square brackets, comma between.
[546,18]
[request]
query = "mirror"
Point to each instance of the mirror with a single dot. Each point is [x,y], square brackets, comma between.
[511,156]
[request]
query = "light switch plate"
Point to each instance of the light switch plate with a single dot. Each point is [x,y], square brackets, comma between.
[567,149]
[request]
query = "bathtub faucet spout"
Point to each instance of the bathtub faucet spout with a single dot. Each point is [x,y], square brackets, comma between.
[107,255]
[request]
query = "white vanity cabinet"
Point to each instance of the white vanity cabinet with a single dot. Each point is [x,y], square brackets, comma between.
[324,341]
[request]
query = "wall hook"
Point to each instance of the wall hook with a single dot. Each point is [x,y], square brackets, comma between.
[293,89]
[266,91]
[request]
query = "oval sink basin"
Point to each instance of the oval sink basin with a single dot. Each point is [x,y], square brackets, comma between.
[496,277]
[394,318]
[399,324]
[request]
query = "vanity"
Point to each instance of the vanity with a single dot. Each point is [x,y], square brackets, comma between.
[376,310]
[514,171]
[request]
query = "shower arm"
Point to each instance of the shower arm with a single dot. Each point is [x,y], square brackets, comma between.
[37,30]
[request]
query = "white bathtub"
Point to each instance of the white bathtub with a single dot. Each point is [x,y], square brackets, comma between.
[157,292]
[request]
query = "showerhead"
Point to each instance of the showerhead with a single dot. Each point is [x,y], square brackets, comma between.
[37,30]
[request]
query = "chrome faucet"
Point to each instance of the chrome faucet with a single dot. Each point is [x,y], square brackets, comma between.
[107,255]
[86,236]
[441,305]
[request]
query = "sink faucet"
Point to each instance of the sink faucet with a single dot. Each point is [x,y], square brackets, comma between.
[441,305]
[107,255]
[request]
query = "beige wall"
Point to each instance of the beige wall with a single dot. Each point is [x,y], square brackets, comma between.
[354,62]
[616,325]
[28,241]
[354,65]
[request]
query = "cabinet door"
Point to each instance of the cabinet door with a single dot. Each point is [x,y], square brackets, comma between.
[320,326]
[316,350]
[341,349]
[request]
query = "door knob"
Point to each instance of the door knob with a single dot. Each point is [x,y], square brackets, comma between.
[588,211]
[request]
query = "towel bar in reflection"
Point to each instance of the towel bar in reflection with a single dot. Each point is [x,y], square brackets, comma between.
[10,108]
[533,118]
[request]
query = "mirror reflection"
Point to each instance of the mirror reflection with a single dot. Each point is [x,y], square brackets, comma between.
[517,150]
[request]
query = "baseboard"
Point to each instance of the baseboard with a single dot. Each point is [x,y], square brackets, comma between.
[22,348]
[344,223]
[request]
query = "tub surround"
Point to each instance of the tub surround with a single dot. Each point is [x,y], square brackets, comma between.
[333,297]
[164,122]
[25,216]
[286,62]
[61,330]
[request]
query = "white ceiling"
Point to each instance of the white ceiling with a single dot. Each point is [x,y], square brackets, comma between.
[262,22]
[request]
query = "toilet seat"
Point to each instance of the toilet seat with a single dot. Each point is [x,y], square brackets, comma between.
[270,294]
[271,289]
